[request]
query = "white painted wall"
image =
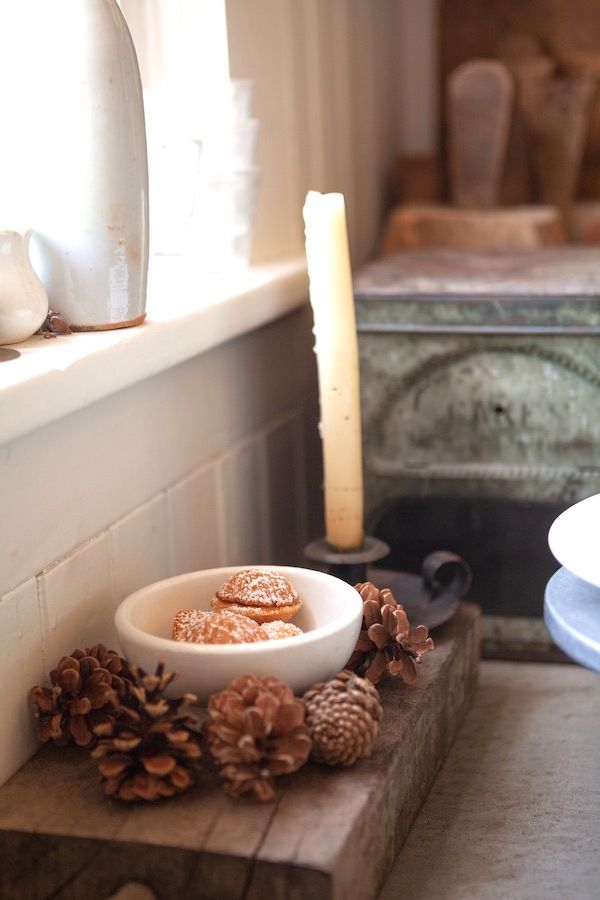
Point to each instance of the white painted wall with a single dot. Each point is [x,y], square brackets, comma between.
[215,460]
[211,463]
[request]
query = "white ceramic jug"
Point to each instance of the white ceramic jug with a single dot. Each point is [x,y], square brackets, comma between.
[23,298]
[89,210]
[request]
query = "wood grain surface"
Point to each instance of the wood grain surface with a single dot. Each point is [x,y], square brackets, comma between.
[557,113]
[329,833]
[588,64]
[479,110]
[517,179]
[568,32]
[470,28]
[509,228]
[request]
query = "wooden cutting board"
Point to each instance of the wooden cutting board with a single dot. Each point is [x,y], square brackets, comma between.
[479,107]
[517,180]
[580,63]
[557,112]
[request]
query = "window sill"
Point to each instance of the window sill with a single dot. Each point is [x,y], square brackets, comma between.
[188,312]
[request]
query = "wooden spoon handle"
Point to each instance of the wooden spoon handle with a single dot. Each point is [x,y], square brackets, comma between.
[480,95]
[557,114]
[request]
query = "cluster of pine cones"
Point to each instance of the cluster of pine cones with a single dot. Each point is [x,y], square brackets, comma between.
[258,730]
[142,740]
[147,746]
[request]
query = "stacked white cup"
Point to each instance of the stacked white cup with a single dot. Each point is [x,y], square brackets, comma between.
[203,179]
[228,182]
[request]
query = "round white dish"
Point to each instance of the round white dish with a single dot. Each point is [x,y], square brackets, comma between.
[330,617]
[574,539]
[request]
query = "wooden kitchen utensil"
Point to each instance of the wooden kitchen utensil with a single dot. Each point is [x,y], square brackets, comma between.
[577,64]
[517,180]
[557,114]
[479,100]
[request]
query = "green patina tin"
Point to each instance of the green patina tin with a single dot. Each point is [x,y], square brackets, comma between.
[480,375]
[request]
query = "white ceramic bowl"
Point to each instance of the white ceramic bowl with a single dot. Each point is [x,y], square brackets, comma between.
[330,617]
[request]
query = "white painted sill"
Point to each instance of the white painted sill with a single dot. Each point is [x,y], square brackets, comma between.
[188,312]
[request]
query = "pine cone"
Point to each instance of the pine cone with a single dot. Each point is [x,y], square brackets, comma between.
[387,640]
[256,732]
[148,751]
[342,717]
[86,687]
[53,324]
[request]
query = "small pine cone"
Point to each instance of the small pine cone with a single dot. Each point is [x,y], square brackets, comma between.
[149,751]
[53,324]
[387,641]
[342,717]
[255,732]
[86,687]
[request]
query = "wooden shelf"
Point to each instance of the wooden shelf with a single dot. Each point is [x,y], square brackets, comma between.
[329,833]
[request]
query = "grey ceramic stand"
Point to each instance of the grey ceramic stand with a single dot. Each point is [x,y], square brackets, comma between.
[572,616]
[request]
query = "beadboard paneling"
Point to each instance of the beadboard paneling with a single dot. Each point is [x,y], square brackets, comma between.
[66,482]
[196,522]
[77,603]
[23,665]
[325,98]
[243,486]
[285,480]
[140,548]
[340,87]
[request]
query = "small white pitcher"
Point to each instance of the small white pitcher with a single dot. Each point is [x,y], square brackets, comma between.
[23,298]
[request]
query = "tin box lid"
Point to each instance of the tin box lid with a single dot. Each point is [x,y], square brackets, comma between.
[546,290]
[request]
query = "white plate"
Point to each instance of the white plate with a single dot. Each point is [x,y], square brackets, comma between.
[574,539]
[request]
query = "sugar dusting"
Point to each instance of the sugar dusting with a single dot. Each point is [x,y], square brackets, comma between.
[185,621]
[226,628]
[278,629]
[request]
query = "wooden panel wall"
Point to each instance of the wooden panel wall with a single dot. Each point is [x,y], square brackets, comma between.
[325,98]
[417,74]
[474,27]
[567,31]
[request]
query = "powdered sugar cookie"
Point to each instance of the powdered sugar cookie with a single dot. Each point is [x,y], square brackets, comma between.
[185,621]
[278,629]
[260,594]
[226,628]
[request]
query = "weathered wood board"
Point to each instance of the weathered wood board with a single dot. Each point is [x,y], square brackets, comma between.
[329,833]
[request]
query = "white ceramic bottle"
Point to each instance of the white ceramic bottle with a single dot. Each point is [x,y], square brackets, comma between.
[23,300]
[89,210]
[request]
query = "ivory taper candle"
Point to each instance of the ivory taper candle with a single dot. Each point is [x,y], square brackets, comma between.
[336,347]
